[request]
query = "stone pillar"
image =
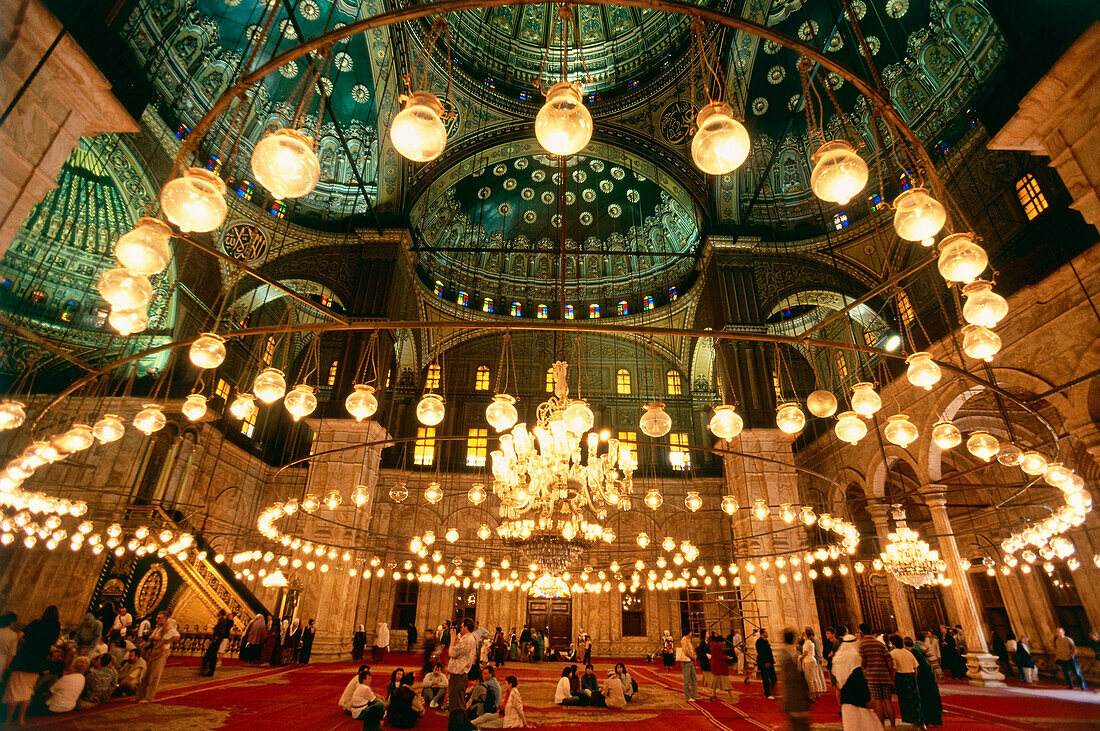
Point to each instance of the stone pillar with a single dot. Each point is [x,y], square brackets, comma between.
[899,596]
[67,98]
[981,667]
[1060,119]
[851,598]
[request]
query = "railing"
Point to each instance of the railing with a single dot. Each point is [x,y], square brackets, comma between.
[194,644]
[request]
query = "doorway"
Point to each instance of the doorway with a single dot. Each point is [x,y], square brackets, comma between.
[552,617]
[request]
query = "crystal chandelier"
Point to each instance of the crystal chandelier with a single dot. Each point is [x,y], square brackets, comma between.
[909,558]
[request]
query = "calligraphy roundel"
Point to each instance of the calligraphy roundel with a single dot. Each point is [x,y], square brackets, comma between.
[245,242]
[678,121]
[150,590]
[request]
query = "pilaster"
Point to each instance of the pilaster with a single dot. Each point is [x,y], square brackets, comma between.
[899,596]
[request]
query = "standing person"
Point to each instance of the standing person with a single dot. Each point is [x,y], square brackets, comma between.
[221,632]
[125,620]
[29,662]
[272,642]
[931,705]
[736,651]
[668,649]
[719,667]
[525,644]
[253,639]
[855,697]
[411,636]
[878,671]
[587,648]
[513,646]
[108,616]
[1010,648]
[145,627]
[292,640]
[685,655]
[810,662]
[930,646]
[748,642]
[828,647]
[358,643]
[131,674]
[765,662]
[381,641]
[500,648]
[1028,672]
[463,651]
[905,682]
[162,638]
[9,641]
[702,654]
[999,649]
[794,692]
[434,686]
[308,634]
[1065,656]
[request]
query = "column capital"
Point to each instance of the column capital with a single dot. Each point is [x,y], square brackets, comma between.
[934,495]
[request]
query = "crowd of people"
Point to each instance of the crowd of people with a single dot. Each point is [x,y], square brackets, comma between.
[271,641]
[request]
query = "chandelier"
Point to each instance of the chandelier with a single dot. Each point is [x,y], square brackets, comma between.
[909,558]
[554,484]
[549,586]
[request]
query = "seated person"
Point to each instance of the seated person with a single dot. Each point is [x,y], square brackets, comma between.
[568,692]
[552,654]
[629,686]
[118,650]
[99,682]
[484,697]
[613,691]
[349,689]
[590,686]
[434,687]
[365,706]
[404,707]
[65,692]
[571,654]
[511,712]
[131,673]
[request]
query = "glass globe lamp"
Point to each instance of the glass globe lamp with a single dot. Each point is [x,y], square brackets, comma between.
[721,143]
[269,385]
[653,499]
[1009,455]
[726,423]
[980,342]
[417,132]
[900,431]
[476,493]
[789,418]
[333,498]
[12,415]
[983,445]
[961,260]
[729,504]
[563,126]
[484,532]
[946,435]
[208,351]
[578,417]
[108,429]
[807,515]
[284,162]
[433,493]
[195,201]
[655,422]
[361,403]
[821,403]
[839,173]
[150,419]
[429,411]
[451,535]
[849,427]
[360,495]
[983,306]
[760,509]
[128,322]
[1033,463]
[643,539]
[125,289]
[78,438]
[693,501]
[864,399]
[300,401]
[922,371]
[194,407]
[399,492]
[501,413]
[244,406]
[1057,474]
[917,215]
[145,248]
[310,503]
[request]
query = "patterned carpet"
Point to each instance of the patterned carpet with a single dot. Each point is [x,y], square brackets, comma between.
[304,697]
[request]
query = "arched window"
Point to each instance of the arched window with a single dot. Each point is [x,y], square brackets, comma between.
[622,382]
[463,298]
[432,381]
[623,308]
[438,289]
[593,311]
[481,379]
[542,312]
[550,379]
[517,309]
[672,379]
[569,312]
[487,305]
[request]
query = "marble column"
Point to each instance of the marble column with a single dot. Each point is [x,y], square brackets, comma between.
[851,598]
[899,595]
[981,667]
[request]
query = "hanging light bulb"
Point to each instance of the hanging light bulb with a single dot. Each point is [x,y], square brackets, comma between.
[76,439]
[195,201]
[578,418]
[980,342]
[361,403]
[310,503]
[693,501]
[563,126]
[917,215]
[789,418]
[145,248]
[760,509]
[1009,454]
[501,413]
[484,532]
[983,445]
[864,399]
[849,427]
[333,498]
[12,415]
[128,322]
[125,289]
[1033,463]
[433,493]
[721,143]
[983,306]
[418,132]
[729,504]
[108,429]
[643,539]
[429,411]
[360,495]
[284,162]
[451,535]
[1057,474]
[269,385]
[726,423]
[839,173]
[208,351]
[655,422]
[244,406]
[150,419]
[194,407]
[946,435]
[399,492]
[922,371]
[900,431]
[821,403]
[653,499]
[476,493]
[300,401]
[961,260]
[787,513]
[808,517]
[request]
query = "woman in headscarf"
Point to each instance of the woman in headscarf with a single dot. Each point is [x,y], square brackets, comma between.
[930,646]
[719,666]
[381,641]
[513,646]
[88,634]
[291,641]
[254,639]
[358,642]
[810,662]
[272,642]
[930,702]
[164,635]
[29,662]
[668,650]
[855,696]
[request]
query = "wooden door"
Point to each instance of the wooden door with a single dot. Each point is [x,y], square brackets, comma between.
[552,617]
